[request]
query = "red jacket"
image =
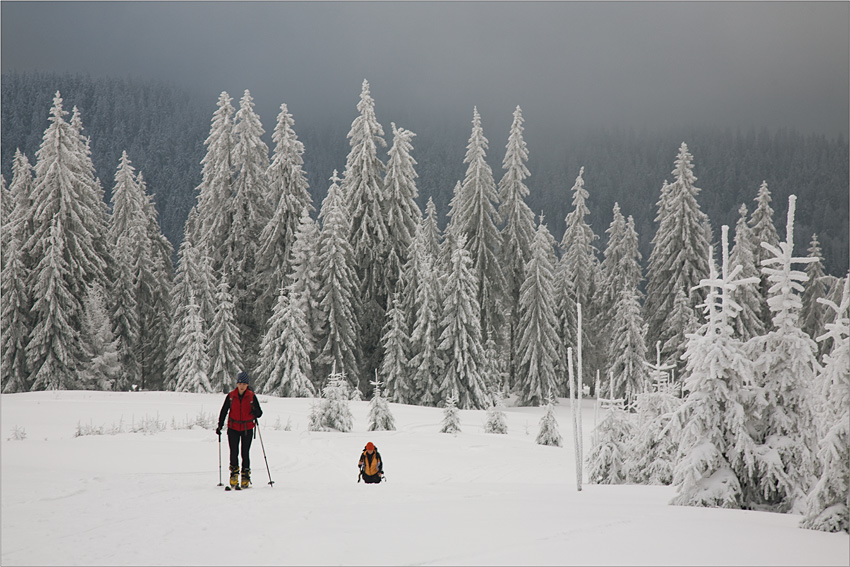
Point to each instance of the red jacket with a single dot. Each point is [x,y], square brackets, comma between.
[243,410]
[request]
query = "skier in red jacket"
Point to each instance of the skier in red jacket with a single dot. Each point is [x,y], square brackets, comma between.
[244,408]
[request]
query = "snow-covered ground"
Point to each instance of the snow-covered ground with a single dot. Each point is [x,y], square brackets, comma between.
[125,498]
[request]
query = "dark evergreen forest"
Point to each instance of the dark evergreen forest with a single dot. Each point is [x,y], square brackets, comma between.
[163,130]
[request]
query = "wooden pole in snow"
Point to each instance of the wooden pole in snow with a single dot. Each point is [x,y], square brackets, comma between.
[575,417]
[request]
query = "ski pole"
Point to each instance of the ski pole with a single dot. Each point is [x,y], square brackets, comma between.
[219,459]
[271,482]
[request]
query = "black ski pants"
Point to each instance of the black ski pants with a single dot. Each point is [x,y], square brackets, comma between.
[371,478]
[233,439]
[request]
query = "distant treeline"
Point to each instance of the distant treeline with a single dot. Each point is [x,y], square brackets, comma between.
[163,129]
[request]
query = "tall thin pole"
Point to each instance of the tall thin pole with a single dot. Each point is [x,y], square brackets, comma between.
[575,417]
[580,391]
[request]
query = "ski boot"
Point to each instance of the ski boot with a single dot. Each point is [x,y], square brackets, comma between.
[246,477]
[234,478]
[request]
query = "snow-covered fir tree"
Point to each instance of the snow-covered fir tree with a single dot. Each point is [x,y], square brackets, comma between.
[289,192]
[380,416]
[156,311]
[332,411]
[829,501]
[680,250]
[338,345]
[627,350]
[251,212]
[812,312]
[580,268]
[548,432]
[396,344]
[363,193]
[304,278]
[64,253]
[609,456]
[748,324]
[15,300]
[284,362]
[194,279]
[225,346]
[763,230]
[215,193]
[125,310]
[786,368]
[192,346]
[105,368]
[473,215]
[517,223]
[460,340]
[402,212]
[650,446]
[495,421]
[682,321]
[426,367]
[537,343]
[451,417]
[716,454]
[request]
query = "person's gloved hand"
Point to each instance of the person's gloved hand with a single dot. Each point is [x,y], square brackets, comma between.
[218,431]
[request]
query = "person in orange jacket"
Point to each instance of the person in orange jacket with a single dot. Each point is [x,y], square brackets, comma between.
[371,465]
[244,408]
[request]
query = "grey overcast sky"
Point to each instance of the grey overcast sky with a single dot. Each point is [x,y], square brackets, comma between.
[633,64]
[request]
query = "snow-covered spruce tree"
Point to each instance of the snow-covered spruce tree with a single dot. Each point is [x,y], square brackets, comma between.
[64,255]
[609,456]
[225,346]
[460,340]
[835,294]
[380,417]
[748,323]
[192,346]
[495,422]
[627,350]
[156,311]
[95,265]
[105,368]
[304,278]
[363,193]
[763,230]
[812,313]
[473,215]
[426,366]
[251,212]
[829,501]
[215,193]
[786,368]
[396,344]
[125,312]
[621,264]
[650,446]
[548,432]
[716,455]
[682,321]
[580,267]
[517,223]
[15,300]
[537,343]
[451,417]
[284,362]
[338,345]
[289,193]
[680,250]
[432,236]
[332,412]
[402,212]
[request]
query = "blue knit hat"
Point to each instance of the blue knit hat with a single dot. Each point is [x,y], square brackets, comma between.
[242,378]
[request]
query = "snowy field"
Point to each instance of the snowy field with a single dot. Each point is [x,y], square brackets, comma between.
[137,498]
